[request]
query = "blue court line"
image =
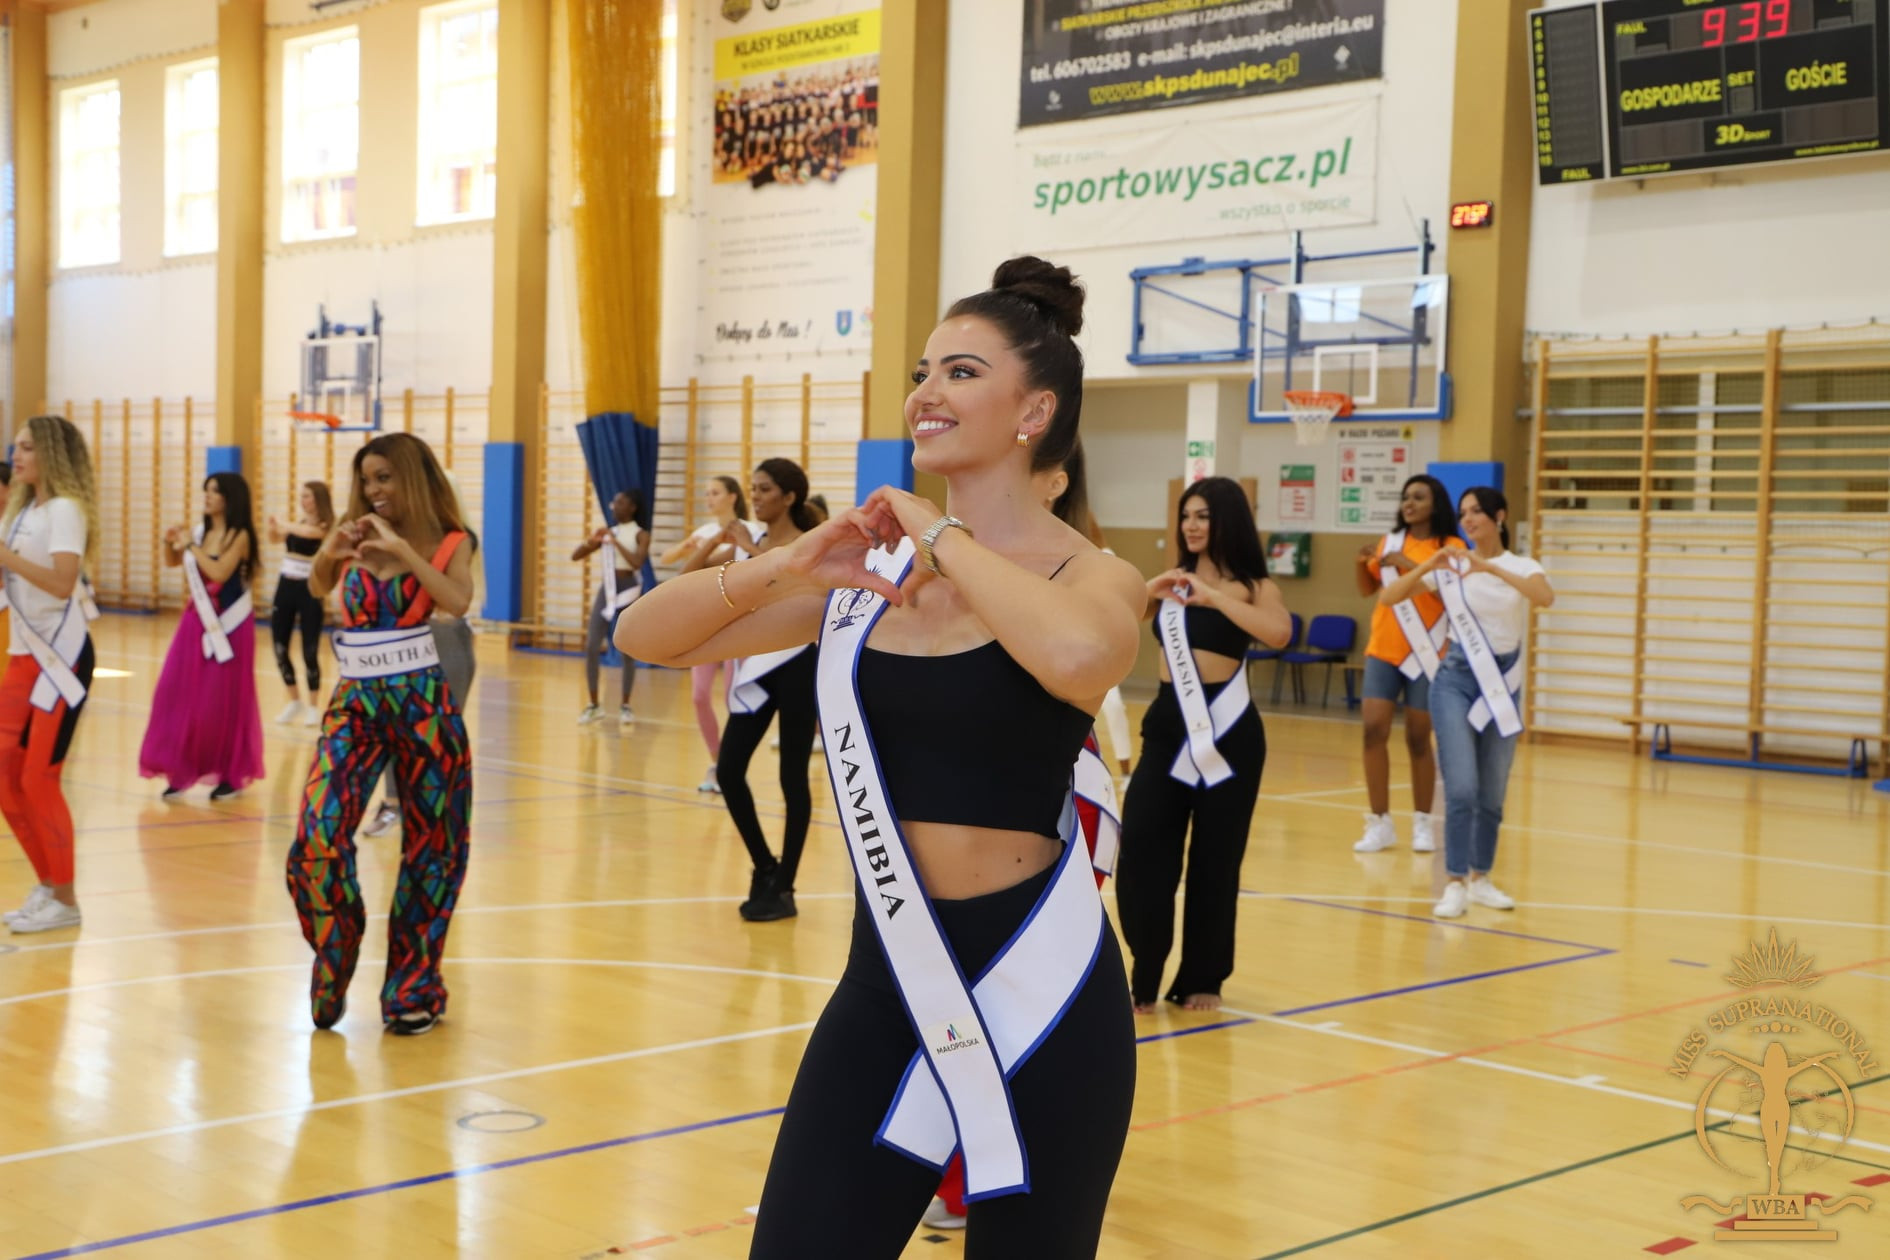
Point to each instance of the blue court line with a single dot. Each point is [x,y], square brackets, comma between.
[1685,962]
[452,1174]
[1433,921]
[1189,1032]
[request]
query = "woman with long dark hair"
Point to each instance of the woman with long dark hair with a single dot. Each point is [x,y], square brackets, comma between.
[50,532]
[294,606]
[762,686]
[983,1002]
[1401,658]
[1475,698]
[402,551]
[1203,749]
[723,497]
[205,725]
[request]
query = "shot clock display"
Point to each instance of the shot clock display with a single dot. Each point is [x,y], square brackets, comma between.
[1693,84]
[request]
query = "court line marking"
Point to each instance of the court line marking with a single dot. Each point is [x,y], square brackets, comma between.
[343,1196]
[1546,1174]
[1593,838]
[631,963]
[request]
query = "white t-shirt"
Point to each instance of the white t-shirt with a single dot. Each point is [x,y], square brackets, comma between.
[1503,610]
[705,532]
[626,534]
[55,527]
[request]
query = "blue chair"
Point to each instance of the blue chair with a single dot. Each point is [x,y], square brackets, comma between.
[1274,654]
[1328,642]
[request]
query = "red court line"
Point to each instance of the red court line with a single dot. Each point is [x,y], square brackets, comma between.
[1669,1246]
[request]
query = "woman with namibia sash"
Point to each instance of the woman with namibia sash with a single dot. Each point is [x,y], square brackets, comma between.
[1203,748]
[963,655]
[399,553]
[1487,594]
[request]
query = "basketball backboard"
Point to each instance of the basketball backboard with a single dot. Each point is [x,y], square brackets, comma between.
[341,377]
[1381,341]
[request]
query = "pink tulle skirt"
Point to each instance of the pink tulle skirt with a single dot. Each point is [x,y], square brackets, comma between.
[205,725]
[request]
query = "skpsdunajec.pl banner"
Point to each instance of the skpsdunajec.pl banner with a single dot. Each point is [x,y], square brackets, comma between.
[1086,58]
[1233,176]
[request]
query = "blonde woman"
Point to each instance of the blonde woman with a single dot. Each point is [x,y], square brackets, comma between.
[726,503]
[50,531]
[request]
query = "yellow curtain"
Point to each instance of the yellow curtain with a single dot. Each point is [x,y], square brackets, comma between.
[616,110]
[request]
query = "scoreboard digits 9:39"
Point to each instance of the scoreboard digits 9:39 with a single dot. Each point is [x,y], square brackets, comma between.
[1687,85]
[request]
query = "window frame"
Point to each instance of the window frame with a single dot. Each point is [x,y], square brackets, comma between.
[301,179]
[176,143]
[71,101]
[432,161]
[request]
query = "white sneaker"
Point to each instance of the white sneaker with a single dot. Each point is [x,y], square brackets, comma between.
[1379,834]
[290,711]
[1484,893]
[592,713]
[312,715]
[40,893]
[624,716]
[1455,901]
[48,916]
[386,816]
[709,783]
[938,1216]
[1424,834]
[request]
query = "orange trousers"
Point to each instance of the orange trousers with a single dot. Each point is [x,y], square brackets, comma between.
[33,746]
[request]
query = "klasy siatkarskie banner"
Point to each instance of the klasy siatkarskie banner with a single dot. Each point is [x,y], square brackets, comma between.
[1087,58]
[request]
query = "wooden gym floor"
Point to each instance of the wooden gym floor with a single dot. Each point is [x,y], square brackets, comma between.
[619,1044]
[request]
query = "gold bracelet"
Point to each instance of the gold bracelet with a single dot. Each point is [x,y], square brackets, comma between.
[721,582]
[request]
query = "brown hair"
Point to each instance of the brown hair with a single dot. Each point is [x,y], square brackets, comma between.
[324,503]
[429,496]
[65,472]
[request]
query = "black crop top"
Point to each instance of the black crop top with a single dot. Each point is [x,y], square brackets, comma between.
[1211,630]
[970,738]
[300,546]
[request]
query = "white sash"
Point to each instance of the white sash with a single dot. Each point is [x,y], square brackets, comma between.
[216,629]
[296,568]
[972,1037]
[1497,685]
[1094,785]
[615,601]
[58,680]
[385,653]
[1426,642]
[1200,760]
[745,692]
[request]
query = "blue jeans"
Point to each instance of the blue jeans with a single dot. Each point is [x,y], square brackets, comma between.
[1475,765]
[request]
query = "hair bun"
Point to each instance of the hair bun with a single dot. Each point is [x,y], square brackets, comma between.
[1052,289]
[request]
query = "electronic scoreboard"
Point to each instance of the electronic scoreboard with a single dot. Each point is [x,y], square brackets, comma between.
[1682,85]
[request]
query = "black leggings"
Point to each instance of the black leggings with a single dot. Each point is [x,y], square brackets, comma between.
[1154,828]
[833,1191]
[294,603]
[790,688]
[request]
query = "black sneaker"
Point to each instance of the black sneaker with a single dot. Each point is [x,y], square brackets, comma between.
[758,892]
[222,792]
[773,904]
[412,1023]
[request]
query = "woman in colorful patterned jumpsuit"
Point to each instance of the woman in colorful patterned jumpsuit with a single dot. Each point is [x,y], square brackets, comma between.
[397,555]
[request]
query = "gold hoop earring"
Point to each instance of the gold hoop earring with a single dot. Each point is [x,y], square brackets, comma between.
[1023,439]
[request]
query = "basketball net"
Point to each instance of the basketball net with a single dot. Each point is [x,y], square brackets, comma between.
[1312,411]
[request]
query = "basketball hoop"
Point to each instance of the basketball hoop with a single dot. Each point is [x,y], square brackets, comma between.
[315,421]
[1312,411]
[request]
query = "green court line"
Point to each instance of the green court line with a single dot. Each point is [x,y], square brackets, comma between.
[1590,1162]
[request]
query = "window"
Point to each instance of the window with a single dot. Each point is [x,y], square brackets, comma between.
[321,134]
[459,111]
[88,175]
[666,123]
[190,159]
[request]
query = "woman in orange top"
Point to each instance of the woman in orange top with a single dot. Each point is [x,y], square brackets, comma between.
[1394,672]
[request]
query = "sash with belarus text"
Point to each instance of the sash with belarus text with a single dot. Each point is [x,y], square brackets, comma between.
[1499,686]
[955,1094]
